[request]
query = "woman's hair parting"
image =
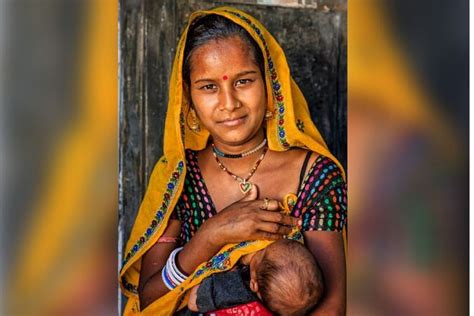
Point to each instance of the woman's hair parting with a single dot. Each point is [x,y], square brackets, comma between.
[214,27]
[289,285]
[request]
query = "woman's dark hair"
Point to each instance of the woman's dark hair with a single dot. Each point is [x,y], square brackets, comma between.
[213,27]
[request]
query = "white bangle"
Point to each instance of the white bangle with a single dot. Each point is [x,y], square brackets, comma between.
[178,274]
[166,280]
[170,273]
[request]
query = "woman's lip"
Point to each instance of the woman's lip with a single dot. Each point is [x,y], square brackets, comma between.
[233,122]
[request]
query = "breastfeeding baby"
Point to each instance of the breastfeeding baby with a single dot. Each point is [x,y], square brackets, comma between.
[284,276]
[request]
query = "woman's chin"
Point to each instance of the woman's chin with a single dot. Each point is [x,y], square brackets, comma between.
[235,137]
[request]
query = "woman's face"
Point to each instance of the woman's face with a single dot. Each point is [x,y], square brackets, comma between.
[227,90]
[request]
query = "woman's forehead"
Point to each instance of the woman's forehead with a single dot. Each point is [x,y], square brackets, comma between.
[230,55]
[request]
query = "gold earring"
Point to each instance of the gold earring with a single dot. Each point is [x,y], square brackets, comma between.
[268,115]
[195,127]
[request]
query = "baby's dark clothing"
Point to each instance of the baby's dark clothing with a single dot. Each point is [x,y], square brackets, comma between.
[226,289]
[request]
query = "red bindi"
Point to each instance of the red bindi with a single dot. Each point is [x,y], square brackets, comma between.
[225,77]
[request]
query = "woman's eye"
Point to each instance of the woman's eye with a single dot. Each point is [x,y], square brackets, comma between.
[208,87]
[243,81]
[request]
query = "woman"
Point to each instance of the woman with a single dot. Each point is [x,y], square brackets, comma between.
[232,151]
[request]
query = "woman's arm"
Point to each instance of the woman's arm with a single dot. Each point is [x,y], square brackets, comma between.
[328,249]
[196,251]
[153,261]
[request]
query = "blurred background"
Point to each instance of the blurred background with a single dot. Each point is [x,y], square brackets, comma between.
[407,164]
[408,106]
[59,70]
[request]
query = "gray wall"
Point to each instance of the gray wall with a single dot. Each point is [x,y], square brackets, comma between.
[312,33]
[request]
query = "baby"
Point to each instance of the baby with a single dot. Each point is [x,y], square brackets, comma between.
[284,276]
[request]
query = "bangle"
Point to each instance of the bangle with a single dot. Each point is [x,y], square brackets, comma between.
[174,267]
[170,273]
[166,280]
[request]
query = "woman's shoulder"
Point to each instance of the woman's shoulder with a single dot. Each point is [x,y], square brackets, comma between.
[294,154]
[322,196]
[323,168]
[190,156]
[314,166]
[297,156]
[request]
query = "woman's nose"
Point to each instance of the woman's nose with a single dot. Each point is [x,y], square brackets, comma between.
[228,101]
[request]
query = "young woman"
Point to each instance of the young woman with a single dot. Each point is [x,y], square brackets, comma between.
[238,138]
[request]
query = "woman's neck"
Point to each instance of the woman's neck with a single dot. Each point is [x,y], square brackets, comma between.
[241,148]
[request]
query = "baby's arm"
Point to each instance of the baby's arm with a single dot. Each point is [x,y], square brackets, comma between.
[192,302]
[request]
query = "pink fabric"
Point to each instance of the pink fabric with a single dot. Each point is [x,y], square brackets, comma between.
[254,308]
[167,239]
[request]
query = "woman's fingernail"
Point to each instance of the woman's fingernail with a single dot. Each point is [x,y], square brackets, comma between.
[300,222]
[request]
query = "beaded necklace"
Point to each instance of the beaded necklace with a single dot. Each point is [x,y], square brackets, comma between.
[244,185]
[220,153]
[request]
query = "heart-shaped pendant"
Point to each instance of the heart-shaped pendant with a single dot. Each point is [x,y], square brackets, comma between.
[245,187]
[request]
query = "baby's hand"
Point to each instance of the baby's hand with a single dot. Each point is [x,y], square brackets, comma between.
[245,260]
[192,302]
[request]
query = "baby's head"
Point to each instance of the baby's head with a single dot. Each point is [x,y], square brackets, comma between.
[286,278]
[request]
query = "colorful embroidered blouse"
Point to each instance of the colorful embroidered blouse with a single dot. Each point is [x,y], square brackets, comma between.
[321,200]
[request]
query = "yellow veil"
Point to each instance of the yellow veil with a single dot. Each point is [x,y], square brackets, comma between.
[291,127]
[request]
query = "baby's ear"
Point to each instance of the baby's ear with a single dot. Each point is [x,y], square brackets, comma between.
[253,286]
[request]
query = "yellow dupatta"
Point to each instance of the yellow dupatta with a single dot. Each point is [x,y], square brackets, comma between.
[291,127]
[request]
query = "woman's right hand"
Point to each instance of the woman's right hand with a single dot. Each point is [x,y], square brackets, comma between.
[248,219]
[241,221]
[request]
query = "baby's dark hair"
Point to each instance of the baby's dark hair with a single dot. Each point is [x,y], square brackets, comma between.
[214,27]
[289,280]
